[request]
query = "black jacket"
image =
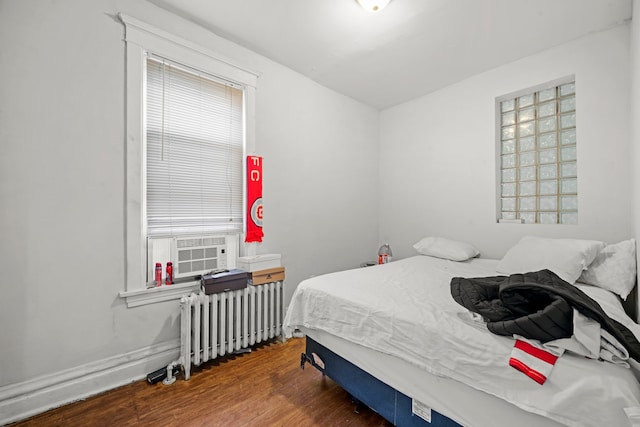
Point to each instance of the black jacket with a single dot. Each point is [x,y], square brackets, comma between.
[537,305]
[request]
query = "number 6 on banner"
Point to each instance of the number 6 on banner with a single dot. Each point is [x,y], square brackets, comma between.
[254,199]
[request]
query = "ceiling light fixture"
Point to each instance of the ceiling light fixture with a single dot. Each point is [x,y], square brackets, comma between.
[373,5]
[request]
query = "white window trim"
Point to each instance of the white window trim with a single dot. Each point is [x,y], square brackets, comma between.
[141,38]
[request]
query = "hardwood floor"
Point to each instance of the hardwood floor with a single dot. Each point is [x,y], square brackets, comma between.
[263,388]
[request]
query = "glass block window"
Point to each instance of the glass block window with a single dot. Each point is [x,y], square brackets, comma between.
[537,148]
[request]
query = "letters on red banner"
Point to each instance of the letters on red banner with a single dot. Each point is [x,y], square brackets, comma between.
[254,199]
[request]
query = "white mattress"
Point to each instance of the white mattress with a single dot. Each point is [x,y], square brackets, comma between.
[404,309]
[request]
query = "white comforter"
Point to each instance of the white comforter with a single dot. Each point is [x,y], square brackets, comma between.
[405,309]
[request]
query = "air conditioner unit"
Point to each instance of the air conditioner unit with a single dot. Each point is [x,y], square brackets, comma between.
[193,255]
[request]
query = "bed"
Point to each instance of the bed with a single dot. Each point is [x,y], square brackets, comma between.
[394,337]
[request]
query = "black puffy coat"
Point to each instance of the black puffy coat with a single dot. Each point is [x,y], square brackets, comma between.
[537,305]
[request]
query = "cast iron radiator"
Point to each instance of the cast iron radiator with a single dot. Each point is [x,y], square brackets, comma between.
[226,322]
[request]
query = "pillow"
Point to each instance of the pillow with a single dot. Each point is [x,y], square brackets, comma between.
[440,247]
[611,305]
[565,257]
[614,268]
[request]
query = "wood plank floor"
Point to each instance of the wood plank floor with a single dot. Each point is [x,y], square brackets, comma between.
[263,388]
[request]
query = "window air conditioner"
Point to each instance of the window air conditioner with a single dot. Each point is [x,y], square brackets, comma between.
[193,255]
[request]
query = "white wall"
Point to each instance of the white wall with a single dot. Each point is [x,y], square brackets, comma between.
[437,153]
[635,121]
[320,168]
[62,175]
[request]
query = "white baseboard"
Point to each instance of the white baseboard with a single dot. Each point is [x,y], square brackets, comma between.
[22,400]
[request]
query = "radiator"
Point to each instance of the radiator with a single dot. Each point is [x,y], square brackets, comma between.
[227,322]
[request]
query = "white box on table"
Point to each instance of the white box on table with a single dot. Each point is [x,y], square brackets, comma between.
[259,262]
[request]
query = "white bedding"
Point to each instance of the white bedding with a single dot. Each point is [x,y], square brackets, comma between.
[405,309]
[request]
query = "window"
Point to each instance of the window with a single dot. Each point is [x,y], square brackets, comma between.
[194,137]
[184,168]
[537,167]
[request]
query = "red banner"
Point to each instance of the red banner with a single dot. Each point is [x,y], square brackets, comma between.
[254,199]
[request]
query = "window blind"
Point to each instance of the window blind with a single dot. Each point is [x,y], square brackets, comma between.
[194,149]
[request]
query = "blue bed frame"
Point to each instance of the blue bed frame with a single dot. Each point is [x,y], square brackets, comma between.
[394,406]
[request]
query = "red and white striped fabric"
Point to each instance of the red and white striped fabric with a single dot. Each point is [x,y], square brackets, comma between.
[533,360]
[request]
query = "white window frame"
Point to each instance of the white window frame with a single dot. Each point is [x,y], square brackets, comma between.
[141,38]
[559,161]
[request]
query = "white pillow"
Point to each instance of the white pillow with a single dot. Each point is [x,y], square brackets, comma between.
[440,247]
[614,268]
[611,305]
[565,257]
